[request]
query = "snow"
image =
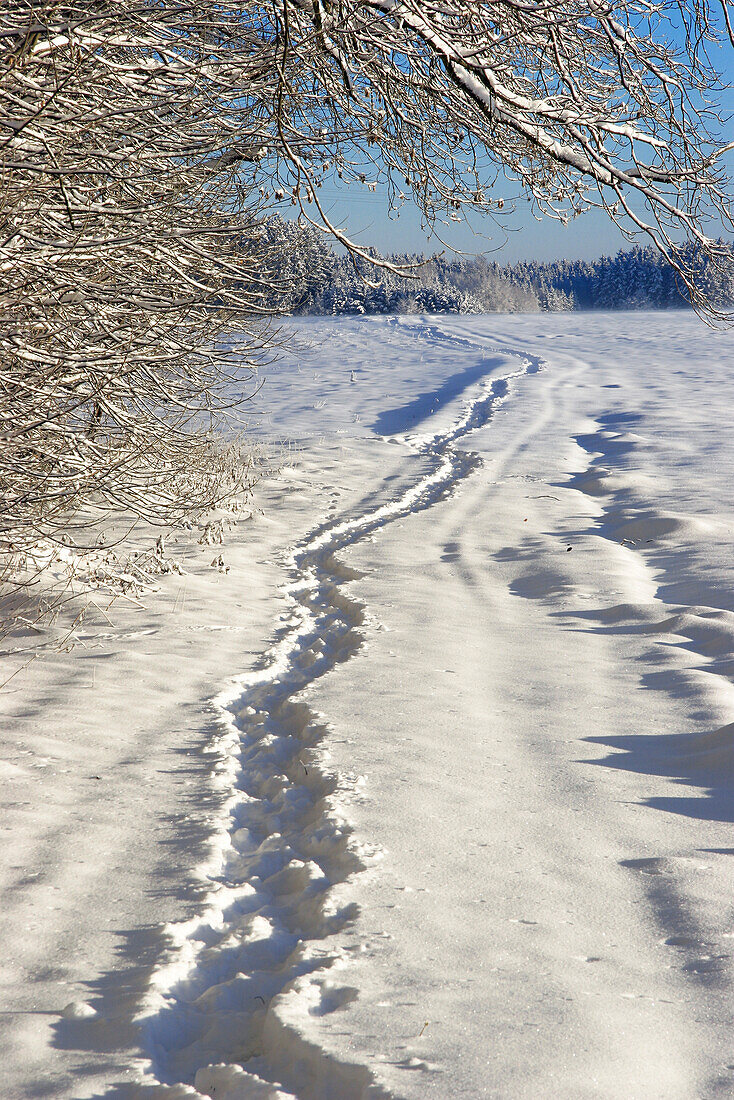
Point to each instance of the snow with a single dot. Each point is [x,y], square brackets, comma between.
[430,795]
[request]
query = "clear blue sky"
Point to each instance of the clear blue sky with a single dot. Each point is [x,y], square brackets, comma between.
[365,216]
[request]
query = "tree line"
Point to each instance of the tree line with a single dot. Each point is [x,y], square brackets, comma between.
[320,281]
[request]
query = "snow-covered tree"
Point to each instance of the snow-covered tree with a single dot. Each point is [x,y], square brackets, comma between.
[637,278]
[128,243]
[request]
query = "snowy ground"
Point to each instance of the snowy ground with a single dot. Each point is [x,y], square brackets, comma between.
[431,794]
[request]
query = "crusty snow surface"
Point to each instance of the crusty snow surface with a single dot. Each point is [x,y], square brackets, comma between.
[431,794]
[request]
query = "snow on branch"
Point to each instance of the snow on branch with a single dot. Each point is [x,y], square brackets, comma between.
[131,246]
[585,104]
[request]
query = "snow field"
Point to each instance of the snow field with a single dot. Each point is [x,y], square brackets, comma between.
[456,821]
[288,846]
[554,907]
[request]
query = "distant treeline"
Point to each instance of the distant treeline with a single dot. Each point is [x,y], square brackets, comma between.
[315,280]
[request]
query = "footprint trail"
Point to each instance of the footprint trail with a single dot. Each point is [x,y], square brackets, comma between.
[223,1009]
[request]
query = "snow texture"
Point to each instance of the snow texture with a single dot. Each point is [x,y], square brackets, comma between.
[462,816]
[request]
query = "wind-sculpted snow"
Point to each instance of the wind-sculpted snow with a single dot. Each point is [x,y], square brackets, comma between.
[223,1010]
[693,612]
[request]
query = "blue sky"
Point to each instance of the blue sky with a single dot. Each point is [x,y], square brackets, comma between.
[365,215]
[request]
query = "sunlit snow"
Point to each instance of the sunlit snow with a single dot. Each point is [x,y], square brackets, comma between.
[430,795]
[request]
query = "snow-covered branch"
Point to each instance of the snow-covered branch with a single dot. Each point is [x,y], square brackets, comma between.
[585,104]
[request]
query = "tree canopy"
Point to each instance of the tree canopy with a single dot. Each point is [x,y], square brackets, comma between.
[584,104]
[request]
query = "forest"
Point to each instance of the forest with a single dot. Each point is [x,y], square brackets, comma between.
[313,279]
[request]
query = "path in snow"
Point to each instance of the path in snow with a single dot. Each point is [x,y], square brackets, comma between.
[270,915]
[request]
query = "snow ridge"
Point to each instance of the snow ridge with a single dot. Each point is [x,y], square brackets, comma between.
[689,613]
[223,1009]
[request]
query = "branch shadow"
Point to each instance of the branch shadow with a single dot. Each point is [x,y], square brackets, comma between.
[110,1040]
